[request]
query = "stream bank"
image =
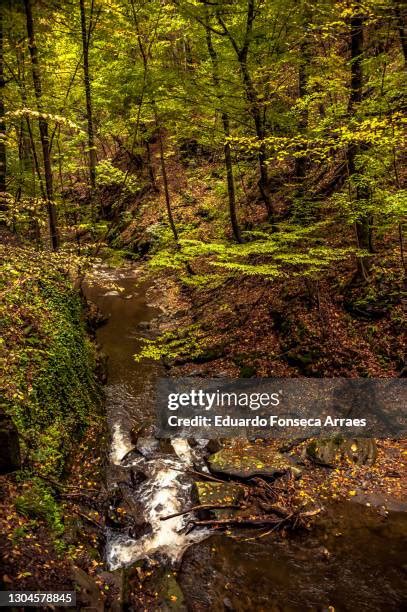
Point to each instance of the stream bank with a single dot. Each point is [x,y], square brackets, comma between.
[50,391]
[354,548]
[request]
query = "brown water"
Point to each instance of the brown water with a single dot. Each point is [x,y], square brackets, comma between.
[355,558]
[121,297]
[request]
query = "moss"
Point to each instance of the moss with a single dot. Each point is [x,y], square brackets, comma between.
[49,385]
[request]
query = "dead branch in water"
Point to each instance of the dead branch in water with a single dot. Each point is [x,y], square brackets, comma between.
[241,521]
[201,507]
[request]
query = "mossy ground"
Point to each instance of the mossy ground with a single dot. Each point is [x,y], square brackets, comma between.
[50,391]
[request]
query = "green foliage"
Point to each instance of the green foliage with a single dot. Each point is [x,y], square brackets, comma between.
[47,382]
[109,175]
[293,250]
[188,342]
[37,502]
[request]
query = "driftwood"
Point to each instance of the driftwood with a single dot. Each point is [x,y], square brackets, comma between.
[201,507]
[256,521]
[197,474]
[242,521]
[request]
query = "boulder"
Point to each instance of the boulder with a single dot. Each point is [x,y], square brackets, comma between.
[333,451]
[248,460]
[219,492]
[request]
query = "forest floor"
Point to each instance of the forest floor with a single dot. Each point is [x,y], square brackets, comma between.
[382,484]
[290,327]
[242,327]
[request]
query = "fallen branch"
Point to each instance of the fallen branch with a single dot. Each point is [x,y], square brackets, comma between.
[199,474]
[61,485]
[201,507]
[88,518]
[242,521]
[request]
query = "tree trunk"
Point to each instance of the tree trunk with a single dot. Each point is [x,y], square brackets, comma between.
[165,178]
[3,158]
[363,223]
[301,162]
[227,150]
[260,133]
[43,126]
[89,109]
[230,180]
[255,108]
[401,26]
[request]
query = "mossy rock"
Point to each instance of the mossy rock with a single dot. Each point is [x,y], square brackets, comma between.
[251,460]
[219,492]
[333,451]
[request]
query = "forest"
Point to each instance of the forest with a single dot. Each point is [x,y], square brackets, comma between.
[205,188]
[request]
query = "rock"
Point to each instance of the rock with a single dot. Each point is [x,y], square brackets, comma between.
[139,529]
[218,492]
[166,447]
[10,459]
[213,446]
[332,451]
[101,366]
[94,317]
[159,580]
[144,325]
[115,581]
[247,460]
[362,451]
[89,593]
[139,430]
[137,477]
[148,447]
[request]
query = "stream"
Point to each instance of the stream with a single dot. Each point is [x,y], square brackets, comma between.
[354,559]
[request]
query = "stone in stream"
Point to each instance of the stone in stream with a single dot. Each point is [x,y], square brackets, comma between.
[141,430]
[219,493]
[88,590]
[248,460]
[153,587]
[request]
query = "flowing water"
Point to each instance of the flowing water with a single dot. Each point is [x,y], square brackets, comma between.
[354,559]
[121,296]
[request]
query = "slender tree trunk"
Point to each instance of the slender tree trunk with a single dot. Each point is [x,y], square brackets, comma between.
[363,223]
[150,165]
[3,158]
[165,177]
[401,17]
[88,95]
[301,162]
[260,133]
[43,126]
[227,150]
[255,108]
[230,180]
